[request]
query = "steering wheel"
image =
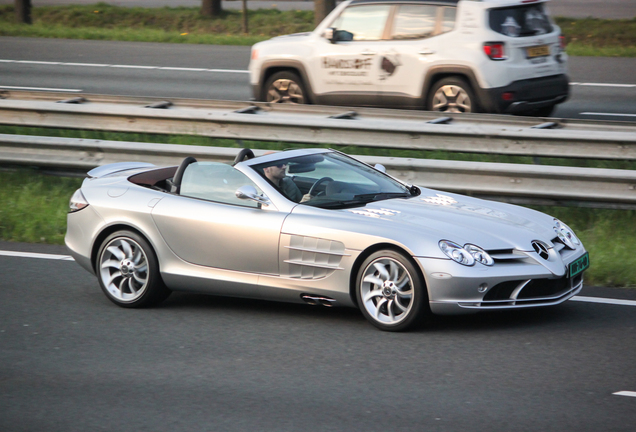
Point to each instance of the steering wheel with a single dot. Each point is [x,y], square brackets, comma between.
[316,185]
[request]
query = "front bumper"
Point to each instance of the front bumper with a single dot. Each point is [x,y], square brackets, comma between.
[528,94]
[454,289]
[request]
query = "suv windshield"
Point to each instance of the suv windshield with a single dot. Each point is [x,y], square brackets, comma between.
[519,21]
[330,180]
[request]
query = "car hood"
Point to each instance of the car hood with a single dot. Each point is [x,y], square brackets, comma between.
[461,219]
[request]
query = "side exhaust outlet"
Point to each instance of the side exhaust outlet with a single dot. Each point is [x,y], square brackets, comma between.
[317,300]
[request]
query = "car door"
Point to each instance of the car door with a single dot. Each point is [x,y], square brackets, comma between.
[348,69]
[416,32]
[206,224]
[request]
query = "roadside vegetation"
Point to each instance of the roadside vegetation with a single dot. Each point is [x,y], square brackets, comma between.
[33,205]
[585,37]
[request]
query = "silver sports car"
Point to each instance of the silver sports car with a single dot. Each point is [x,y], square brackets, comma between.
[320,227]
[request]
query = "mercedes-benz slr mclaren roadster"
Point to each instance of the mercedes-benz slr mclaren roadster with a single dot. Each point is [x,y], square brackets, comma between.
[320,227]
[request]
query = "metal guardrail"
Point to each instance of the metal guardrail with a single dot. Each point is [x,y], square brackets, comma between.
[397,129]
[511,182]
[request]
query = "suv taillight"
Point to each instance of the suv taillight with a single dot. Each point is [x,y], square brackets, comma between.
[495,50]
[562,42]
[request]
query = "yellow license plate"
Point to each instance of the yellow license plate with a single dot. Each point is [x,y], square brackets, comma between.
[538,51]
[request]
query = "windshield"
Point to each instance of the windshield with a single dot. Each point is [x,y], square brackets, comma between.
[330,180]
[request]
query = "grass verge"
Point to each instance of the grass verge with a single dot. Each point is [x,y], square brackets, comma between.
[585,37]
[33,206]
[177,25]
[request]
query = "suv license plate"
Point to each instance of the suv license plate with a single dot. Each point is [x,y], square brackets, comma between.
[538,51]
[579,265]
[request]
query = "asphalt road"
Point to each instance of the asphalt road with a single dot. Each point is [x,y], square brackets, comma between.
[612,9]
[605,89]
[72,361]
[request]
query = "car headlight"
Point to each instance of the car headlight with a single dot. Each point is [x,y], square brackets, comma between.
[566,235]
[456,252]
[480,255]
[77,201]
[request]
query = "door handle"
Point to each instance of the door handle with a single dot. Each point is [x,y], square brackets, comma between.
[368,53]
[426,51]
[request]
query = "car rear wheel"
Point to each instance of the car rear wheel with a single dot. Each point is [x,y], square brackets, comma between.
[285,87]
[390,292]
[452,95]
[128,271]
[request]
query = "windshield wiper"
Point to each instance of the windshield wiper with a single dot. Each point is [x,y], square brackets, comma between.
[361,199]
[378,196]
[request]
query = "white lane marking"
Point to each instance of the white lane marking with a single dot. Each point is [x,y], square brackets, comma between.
[603,85]
[133,67]
[625,393]
[604,300]
[40,88]
[36,255]
[184,69]
[126,66]
[608,114]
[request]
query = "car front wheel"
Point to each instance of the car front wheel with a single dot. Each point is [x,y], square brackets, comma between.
[451,95]
[128,271]
[390,292]
[285,87]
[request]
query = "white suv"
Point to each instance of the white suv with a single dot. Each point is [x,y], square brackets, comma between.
[499,56]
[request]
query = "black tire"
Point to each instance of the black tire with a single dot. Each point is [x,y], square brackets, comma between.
[390,292]
[452,95]
[128,271]
[285,87]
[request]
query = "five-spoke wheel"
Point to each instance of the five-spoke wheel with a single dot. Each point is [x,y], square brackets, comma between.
[285,87]
[452,95]
[390,291]
[128,272]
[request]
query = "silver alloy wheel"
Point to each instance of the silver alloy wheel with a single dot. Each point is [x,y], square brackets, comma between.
[284,90]
[124,269]
[387,291]
[451,98]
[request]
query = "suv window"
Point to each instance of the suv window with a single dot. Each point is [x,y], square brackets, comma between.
[520,20]
[414,22]
[448,19]
[365,22]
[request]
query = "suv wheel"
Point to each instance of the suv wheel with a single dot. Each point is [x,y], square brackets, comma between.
[285,87]
[452,95]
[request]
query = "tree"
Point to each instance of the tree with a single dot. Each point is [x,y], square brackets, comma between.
[23,11]
[322,8]
[211,8]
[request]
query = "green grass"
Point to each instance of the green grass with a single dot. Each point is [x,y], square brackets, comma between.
[33,206]
[176,25]
[599,37]
[585,37]
[33,209]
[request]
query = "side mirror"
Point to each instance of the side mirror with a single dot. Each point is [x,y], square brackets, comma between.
[380,168]
[249,192]
[342,36]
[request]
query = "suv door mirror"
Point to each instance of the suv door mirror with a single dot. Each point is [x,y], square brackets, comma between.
[342,36]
